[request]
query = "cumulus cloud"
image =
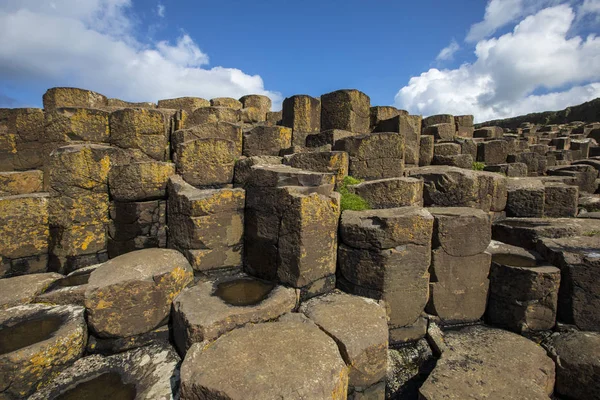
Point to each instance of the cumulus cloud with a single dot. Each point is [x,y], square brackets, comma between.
[160,10]
[535,67]
[92,44]
[499,13]
[447,53]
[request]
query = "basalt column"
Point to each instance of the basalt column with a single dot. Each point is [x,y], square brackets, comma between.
[291,227]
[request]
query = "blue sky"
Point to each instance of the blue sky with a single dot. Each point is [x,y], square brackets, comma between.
[492,59]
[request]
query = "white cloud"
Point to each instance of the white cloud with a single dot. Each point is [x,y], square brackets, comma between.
[536,57]
[590,7]
[91,44]
[499,13]
[160,10]
[447,53]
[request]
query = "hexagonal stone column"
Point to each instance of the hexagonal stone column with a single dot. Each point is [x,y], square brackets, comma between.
[374,156]
[36,343]
[459,267]
[206,162]
[291,227]
[132,294]
[204,312]
[143,129]
[391,192]
[302,113]
[243,364]
[58,97]
[385,254]
[523,293]
[359,326]
[348,110]
[267,140]
[23,234]
[206,225]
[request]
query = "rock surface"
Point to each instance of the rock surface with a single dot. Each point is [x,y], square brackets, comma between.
[256,354]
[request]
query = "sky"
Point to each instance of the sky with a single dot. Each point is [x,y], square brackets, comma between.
[493,59]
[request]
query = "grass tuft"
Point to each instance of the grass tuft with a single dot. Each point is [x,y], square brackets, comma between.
[478,166]
[351,201]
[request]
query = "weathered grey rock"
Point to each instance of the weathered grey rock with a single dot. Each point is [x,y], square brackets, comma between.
[38,342]
[525,232]
[492,152]
[382,113]
[464,161]
[577,364]
[327,137]
[359,327]
[76,124]
[464,126]
[408,368]
[335,162]
[391,192]
[446,149]
[438,119]
[347,110]
[489,363]
[23,266]
[69,289]
[206,225]
[526,197]
[488,132]
[140,181]
[584,176]
[440,131]
[426,148]
[201,316]
[242,170]
[374,156]
[132,294]
[510,170]
[523,293]
[579,261]
[306,361]
[410,127]
[110,346]
[461,231]
[267,140]
[20,290]
[262,103]
[560,200]
[536,163]
[456,187]
[385,255]
[148,373]
[274,175]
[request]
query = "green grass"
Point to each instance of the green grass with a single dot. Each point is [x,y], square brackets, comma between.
[591,233]
[478,166]
[351,201]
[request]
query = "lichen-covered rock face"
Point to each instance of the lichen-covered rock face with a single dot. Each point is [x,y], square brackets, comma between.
[210,309]
[391,192]
[147,373]
[69,289]
[489,363]
[37,342]
[306,362]
[302,113]
[347,110]
[188,104]
[142,129]
[132,294]
[21,182]
[206,162]
[60,97]
[140,181]
[359,326]
[577,363]
[218,130]
[266,140]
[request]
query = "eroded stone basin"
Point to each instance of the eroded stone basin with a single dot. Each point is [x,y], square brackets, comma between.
[28,332]
[108,386]
[244,291]
[513,260]
[70,281]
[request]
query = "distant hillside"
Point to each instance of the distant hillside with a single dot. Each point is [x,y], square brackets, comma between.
[586,112]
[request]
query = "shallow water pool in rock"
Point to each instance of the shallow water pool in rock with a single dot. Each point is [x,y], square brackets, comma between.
[244,291]
[108,386]
[27,332]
